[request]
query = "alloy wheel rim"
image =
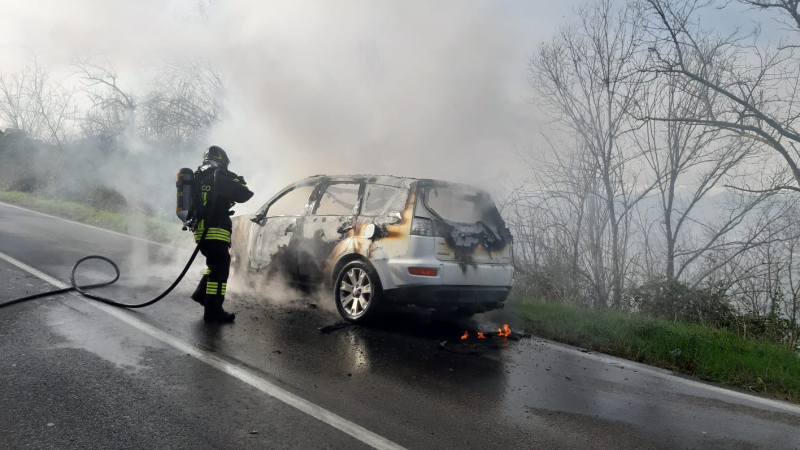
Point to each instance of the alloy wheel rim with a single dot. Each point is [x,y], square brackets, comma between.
[355,292]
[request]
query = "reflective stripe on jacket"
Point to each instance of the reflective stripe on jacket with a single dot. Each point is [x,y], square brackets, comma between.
[232,189]
[214,234]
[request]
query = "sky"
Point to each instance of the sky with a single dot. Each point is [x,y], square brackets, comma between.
[411,88]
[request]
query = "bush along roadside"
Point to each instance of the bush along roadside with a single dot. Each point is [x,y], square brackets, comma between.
[135,225]
[712,354]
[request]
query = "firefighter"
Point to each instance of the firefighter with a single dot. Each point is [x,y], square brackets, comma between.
[230,189]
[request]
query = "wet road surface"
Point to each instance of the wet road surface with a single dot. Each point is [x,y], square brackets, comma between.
[74,376]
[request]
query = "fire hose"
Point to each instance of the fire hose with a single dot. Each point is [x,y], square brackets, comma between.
[83,289]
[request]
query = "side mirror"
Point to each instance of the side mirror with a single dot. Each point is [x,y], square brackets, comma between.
[369,231]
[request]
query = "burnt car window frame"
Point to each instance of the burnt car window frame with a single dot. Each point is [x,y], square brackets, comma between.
[427,185]
[323,187]
[264,213]
[385,206]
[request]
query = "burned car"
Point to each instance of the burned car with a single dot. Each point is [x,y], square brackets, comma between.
[381,240]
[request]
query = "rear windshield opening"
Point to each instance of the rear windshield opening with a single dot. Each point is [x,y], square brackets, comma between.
[461,203]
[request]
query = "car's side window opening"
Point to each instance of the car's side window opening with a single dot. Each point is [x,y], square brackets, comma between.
[293,203]
[376,199]
[338,200]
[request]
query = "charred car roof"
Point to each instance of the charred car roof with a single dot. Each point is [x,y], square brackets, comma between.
[387,180]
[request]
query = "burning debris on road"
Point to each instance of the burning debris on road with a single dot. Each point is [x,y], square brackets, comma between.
[483,341]
[483,344]
[503,332]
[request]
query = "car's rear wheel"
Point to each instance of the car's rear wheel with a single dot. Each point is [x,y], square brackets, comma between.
[358,292]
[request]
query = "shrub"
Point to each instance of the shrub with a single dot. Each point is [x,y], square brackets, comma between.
[107,199]
[26,183]
[771,327]
[675,301]
[535,283]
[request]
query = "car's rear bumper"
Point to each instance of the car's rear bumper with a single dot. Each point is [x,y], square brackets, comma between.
[449,296]
[394,271]
[454,284]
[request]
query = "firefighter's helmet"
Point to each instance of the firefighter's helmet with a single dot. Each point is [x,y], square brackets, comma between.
[216,156]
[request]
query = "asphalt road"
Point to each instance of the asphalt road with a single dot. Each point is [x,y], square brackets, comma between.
[74,375]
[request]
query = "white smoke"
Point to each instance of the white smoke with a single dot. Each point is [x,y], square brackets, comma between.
[413,88]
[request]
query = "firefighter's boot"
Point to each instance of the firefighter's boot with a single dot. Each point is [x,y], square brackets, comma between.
[214,311]
[199,294]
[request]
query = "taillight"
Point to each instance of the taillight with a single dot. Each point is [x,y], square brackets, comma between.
[421,226]
[423,271]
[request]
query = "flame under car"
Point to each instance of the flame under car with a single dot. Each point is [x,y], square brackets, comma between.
[378,241]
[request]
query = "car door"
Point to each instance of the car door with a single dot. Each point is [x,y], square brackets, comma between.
[329,226]
[273,246]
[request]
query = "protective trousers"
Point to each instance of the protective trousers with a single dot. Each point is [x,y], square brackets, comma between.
[215,279]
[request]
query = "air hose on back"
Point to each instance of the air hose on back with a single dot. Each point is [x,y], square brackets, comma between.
[82,289]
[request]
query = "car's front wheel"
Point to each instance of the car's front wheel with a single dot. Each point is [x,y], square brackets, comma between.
[358,292]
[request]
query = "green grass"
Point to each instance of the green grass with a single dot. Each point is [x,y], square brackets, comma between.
[710,354]
[141,226]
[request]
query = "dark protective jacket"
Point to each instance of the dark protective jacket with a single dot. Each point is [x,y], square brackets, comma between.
[231,189]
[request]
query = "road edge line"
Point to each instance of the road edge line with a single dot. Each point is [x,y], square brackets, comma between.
[672,376]
[137,238]
[323,415]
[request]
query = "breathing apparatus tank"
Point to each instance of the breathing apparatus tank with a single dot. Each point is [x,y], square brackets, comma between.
[184,185]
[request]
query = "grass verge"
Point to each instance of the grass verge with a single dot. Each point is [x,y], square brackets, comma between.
[141,226]
[707,353]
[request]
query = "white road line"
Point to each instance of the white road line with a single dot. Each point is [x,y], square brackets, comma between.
[667,375]
[86,225]
[356,431]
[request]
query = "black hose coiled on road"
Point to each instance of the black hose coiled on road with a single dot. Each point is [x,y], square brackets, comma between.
[82,289]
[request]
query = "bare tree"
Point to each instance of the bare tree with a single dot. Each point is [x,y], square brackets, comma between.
[16,109]
[113,111]
[763,282]
[185,102]
[692,160]
[788,10]
[790,242]
[556,229]
[587,77]
[792,306]
[198,12]
[35,103]
[756,85]
[55,104]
